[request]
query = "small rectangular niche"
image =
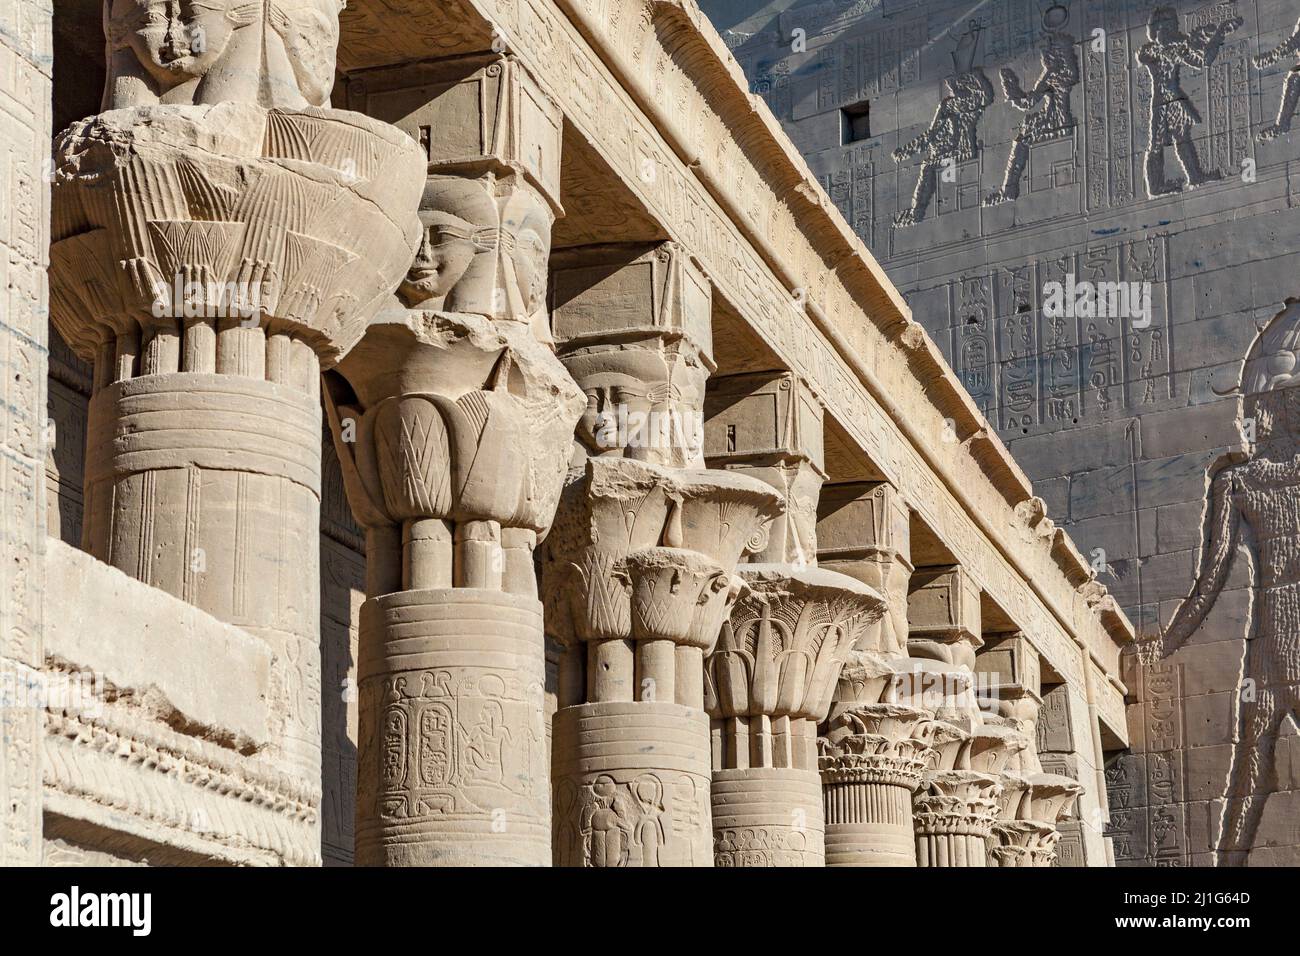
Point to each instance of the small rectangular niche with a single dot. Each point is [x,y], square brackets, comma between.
[855,122]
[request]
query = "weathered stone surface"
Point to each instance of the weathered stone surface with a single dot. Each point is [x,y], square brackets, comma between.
[997,159]
[224,235]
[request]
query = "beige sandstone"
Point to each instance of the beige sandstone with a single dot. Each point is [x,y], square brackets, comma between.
[601,367]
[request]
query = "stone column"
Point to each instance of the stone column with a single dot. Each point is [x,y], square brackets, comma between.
[1067,732]
[639,572]
[1012,683]
[453,420]
[863,530]
[770,680]
[958,801]
[768,686]
[1033,804]
[954,814]
[873,758]
[219,236]
[24,235]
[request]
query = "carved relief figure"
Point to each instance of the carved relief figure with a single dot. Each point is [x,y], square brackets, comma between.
[606,828]
[273,53]
[1172,112]
[484,251]
[951,137]
[650,834]
[484,750]
[1060,75]
[1256,501]
[1290,86]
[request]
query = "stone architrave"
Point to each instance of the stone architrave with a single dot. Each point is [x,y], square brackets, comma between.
[219,237]
[453,419]
[640,568]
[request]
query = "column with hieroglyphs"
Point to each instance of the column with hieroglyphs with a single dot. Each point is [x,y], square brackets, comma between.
[220,234]
[768,683]
[640,569]
[454,421]
[25,82]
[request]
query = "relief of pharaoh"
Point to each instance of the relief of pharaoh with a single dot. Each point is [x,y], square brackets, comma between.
[1286,109]
[1256,502]
[275,53]
[950,138]
[1047,105]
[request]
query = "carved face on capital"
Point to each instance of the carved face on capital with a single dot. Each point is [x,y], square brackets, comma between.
[526,220]
[173,39]
[270,52]
[459,220]
[621,386]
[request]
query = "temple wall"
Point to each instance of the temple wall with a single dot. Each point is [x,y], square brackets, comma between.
[1118,419]
[25,128]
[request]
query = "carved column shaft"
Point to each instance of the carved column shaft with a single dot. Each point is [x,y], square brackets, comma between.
[953,816]
[873,759]
[640,567]
[215,244]
[461,419]
[770,680]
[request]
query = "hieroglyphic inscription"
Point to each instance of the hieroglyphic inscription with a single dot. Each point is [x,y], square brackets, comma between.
[1033,369]
[25,79]
[1163,726]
